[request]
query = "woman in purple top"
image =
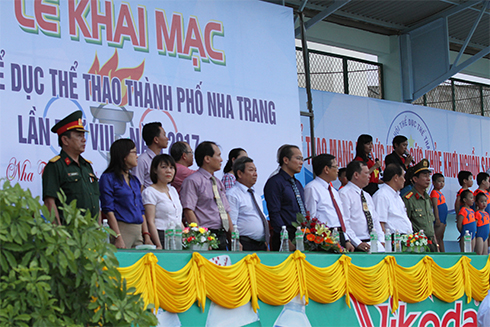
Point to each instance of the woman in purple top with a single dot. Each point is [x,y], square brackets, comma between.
[229,179]
[120,197]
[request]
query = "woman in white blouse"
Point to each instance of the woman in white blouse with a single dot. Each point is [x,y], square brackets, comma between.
[161,200]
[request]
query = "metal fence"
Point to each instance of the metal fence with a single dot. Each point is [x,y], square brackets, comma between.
[458,95]
[341,74]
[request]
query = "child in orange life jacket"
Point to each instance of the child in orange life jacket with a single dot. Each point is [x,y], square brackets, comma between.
[465,179]
[483,181]
[482,224]
[439,206]
[466,218]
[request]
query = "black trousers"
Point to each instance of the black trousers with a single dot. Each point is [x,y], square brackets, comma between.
[221,236]
[250,244]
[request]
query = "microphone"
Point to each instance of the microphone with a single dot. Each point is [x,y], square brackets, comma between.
[406,154]
[377,160]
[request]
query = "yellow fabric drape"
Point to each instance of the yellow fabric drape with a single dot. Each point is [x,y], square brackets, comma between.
[250,280]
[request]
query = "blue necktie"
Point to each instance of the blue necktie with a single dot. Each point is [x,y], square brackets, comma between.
[298,196]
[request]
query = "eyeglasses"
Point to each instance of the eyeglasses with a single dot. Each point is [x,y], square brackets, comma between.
[189,152]
[334,167]
[299,158]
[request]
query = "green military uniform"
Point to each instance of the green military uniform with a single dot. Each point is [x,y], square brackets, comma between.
[77,181]
[419,208]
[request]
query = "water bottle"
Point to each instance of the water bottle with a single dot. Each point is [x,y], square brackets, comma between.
[398,242]
[467,242]
[234,241]
[335,235]
[237,240]
[388,240]
[300,245]
[171,239]
[178,238]
[374,242]
[105,224]
[166,241]
[284,240]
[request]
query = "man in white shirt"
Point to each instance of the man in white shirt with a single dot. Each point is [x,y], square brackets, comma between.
[389,205]
[156,140]
[245,212]
[322,200]
[359,212]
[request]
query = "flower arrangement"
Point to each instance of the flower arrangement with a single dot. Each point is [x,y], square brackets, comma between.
[317,236]
[198,236]
[416,242]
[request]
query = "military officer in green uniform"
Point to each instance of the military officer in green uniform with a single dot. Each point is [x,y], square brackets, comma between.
[69,171]
[417,202]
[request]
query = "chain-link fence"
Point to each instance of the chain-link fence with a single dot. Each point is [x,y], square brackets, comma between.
[341,74]
[457,95]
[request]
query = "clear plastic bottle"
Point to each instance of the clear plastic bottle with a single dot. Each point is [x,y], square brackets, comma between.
[300,245]
[467,242]
[105,224]
[284,240]
[335,235]
[388,240]
[178,238]
[166,241]
[398,242]
[237,240]
[234,241]
[374,242]
[171,238]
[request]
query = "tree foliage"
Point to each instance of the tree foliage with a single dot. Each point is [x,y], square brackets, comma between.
[60,275]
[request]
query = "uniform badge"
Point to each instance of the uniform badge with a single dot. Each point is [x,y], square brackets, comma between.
[67,161]
[73,174]
[365,207]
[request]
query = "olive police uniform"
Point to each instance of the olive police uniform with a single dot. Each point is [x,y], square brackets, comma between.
[419,208]
[77,180]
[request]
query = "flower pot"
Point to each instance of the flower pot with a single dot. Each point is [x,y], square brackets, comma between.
[199,247]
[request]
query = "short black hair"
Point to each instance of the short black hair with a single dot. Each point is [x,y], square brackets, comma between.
[204,149]
[399,139]
[353,167]
[239,165]
[67,134]
[478,196]
[436,176]
[150,131]
[178,149]
[481,177]
[342,171]
[155,163]
[320,161]
[463,196]
[462,175]
[392,170]
[286,150]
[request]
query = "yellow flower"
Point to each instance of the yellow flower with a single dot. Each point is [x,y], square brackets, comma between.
[192,225]
[320,229]
[202,230]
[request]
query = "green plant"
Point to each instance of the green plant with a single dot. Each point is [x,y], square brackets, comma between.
[60,275]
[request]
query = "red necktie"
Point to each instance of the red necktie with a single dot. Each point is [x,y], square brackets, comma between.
[337,208]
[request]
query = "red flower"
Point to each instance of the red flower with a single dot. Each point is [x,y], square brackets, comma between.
[329,240]
[310,237]
[318,240]
[429,242]
[315,220]
[313,230]
[312,224]
[303,224]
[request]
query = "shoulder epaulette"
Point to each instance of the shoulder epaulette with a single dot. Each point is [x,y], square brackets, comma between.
[408,195]
[54,159]
[90,162]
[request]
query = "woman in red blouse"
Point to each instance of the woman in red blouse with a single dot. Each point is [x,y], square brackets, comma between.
[363,153]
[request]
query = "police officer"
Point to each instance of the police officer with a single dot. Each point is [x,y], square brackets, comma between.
[417,202]
[69,171]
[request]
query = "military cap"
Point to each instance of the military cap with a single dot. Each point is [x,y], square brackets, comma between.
[72,122]
[422,165]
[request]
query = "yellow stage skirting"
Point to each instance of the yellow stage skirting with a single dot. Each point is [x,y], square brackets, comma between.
[250,280]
